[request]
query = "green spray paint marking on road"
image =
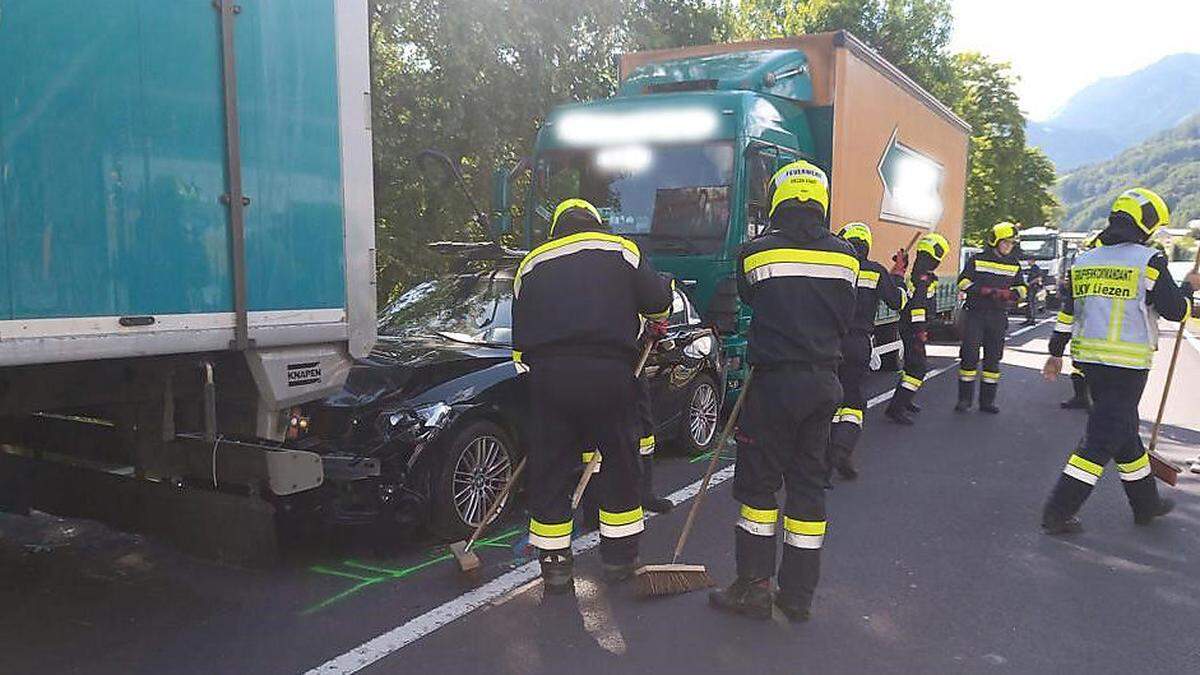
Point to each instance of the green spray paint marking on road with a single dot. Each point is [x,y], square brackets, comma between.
[708,455]
[367,575]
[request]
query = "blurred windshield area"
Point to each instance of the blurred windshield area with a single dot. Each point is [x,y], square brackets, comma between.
[670,199]
[1039,249]
[471,308]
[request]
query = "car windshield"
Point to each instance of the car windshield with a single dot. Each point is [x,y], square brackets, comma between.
[670,199]
[1038,249]
[469,308]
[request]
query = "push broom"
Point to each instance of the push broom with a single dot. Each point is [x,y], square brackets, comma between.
[675,578]
[1164,469]
[467,560]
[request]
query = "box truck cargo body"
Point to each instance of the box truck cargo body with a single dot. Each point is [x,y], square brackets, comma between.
[185,213]
[680,159]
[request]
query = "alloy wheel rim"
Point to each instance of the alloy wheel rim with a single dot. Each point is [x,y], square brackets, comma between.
[482,471]
[702,414]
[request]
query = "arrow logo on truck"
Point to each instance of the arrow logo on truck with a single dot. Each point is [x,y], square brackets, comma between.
[912,184]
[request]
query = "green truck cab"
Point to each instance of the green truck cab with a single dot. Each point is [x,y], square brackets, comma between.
[679,160]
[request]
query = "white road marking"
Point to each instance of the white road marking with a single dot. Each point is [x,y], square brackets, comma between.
[1192,340]
[521,578]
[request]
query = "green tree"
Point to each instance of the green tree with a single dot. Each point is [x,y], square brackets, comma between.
[1008,180]
[475,80]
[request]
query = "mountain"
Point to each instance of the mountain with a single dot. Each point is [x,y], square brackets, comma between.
[1117,112]
[1168,163]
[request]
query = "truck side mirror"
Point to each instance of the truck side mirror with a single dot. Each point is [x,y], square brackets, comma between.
[502,182]
[723,308]
[501,222]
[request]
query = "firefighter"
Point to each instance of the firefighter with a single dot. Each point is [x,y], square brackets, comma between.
[1110,317]
[1080,398]
[798,278]
[991,280]
[576,301]
[646,442]
[1035,280]
[875,284]
[922,303]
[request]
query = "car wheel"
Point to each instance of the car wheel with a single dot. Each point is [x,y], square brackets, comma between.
[703,413]
[478,462]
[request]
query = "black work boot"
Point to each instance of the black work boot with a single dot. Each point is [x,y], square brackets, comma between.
[1165,506]
[557,566]
[1081,400]
[966,393]
[1055,525]
[795,612]
[615,573]
[843,462]
[650,501]
[747,597]
[987,397]
[898,416]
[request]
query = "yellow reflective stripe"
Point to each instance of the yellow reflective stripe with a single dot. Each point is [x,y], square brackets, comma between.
[659,316]
[911,383]
[932,290]
[550,529]
[587,456]
[1139,463]
[759,515]
[1088,466]
[808,527]
[581,240]
[995,267]
[646,441]
[848,415]
[622,518]
[917,315]
[964,284]
[868,274]
[800,262]
[1066,319]
[967,375]
[991,377]
[516,356]
[1021,292]
[1151,273]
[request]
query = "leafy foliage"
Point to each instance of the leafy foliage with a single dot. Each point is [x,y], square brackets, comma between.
[1168,163]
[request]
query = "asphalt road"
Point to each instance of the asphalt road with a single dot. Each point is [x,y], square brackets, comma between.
[934,563]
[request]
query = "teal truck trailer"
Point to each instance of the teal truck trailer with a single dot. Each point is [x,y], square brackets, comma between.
[186,216]
[680,158]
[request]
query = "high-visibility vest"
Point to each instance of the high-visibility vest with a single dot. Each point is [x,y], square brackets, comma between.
[1113,325]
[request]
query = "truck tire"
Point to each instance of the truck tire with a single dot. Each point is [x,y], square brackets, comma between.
[475,466]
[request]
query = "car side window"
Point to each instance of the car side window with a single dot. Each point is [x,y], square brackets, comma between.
[760,166]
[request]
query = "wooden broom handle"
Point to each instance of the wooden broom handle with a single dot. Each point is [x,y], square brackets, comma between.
[590,469]
[712,465]
[1162,404]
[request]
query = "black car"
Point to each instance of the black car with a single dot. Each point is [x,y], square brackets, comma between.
[428,429]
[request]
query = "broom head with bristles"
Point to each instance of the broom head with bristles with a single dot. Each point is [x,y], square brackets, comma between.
[660,580]
[467,560]
[1164,470]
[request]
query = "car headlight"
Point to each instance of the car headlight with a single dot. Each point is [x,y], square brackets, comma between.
[699,348]
[428,416]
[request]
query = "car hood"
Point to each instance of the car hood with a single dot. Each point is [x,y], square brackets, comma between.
[400,369]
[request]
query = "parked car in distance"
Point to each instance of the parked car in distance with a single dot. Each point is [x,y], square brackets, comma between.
[429,428]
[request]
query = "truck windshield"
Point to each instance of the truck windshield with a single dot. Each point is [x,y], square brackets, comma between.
[471,308]
[670,199]
[1038,249]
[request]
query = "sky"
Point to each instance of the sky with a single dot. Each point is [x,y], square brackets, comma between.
[1057,47]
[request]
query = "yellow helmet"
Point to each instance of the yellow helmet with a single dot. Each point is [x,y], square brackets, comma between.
[1002,231]
[856,230]
[935,245]
[1148,210]
[574,204]
[802,181]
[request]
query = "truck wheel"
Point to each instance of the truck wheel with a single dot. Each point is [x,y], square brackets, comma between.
[478,462]
[702,416]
